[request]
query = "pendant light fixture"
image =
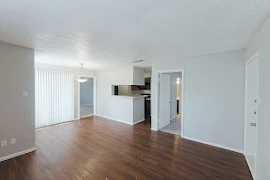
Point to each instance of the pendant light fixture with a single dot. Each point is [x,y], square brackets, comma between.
[82,79]
[178,79]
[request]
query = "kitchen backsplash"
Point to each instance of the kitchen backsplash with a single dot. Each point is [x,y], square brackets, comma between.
[127,91]
[139,92]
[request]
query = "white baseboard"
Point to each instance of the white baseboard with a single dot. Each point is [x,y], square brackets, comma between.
[215,145]
[153,129]
[115,120]
[17,154]
[173,117]
[87,105]
[249,166]
[121,120]
[87,116]
[138,121]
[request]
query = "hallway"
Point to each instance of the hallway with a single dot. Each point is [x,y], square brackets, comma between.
[86,110]
[174,127]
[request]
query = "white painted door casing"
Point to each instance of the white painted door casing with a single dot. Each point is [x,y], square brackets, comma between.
[251,112]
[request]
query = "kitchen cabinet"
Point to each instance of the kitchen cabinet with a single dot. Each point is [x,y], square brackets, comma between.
[138,76]
[147,85]
[126,76]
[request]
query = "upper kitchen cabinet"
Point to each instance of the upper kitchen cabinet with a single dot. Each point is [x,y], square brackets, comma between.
[128,75]
[146,86]
[138,76]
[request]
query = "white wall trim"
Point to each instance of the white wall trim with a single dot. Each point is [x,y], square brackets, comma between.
[138,121]
[156,106]
[114,119]
[250,169]
[252,58]
[17,154]
[215,145]
[245,117]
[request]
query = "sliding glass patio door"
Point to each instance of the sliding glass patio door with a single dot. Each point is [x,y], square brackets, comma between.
[54,97]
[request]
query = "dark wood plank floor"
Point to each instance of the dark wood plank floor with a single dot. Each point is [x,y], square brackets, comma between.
[96,148]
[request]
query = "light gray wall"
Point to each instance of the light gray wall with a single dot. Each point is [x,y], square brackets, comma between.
[263,127]
[87,92]
[213,97]
[17,113]
[173,77]
[252,47]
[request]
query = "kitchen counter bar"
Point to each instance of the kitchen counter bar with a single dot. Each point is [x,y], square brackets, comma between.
[132,97]
[127,109]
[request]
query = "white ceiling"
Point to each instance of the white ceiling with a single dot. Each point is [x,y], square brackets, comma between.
[108,33]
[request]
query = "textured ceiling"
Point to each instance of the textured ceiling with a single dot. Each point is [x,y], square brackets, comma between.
[108,33]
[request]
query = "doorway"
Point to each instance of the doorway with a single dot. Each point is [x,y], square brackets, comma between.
[87,97]
[170,102]
[251,112]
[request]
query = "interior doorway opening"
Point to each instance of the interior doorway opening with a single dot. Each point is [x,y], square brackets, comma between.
[170,100]
[87,98]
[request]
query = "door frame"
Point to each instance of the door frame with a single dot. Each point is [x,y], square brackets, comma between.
[256,55]
[94,95]
[182,96]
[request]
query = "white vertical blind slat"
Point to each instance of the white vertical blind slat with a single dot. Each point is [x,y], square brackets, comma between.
[54,97]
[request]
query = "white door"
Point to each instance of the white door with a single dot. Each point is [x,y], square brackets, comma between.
[251,112]
[164,101]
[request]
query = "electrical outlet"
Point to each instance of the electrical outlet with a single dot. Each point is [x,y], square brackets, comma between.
[25,93]
[13,141]
[3,143]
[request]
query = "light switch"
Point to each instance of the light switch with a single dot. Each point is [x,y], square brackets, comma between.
[13,141]
[25,93]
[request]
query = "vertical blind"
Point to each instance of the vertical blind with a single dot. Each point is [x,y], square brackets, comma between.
[54,97]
